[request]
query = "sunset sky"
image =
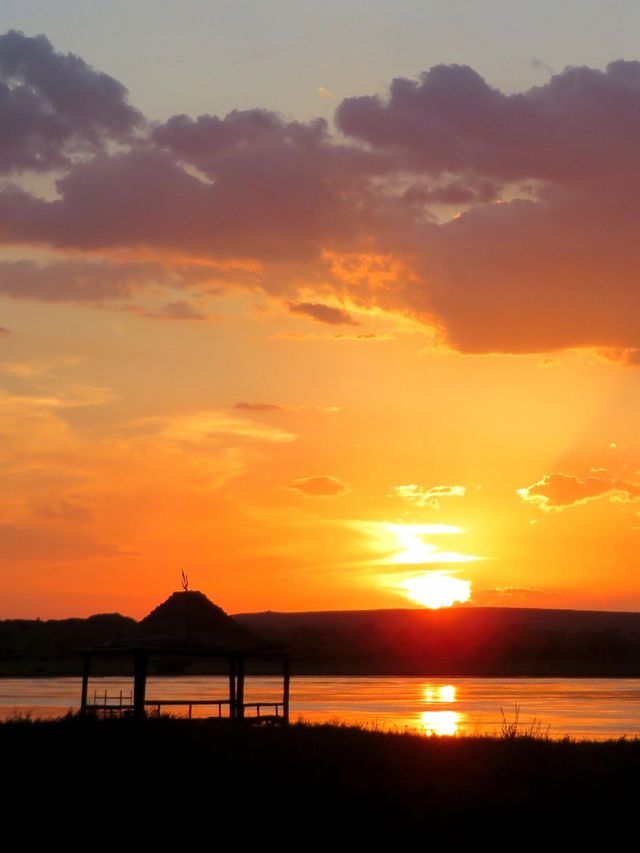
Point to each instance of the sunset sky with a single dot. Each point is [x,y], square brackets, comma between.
[320,303]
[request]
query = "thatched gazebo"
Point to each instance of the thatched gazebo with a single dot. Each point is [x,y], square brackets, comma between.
[189,625]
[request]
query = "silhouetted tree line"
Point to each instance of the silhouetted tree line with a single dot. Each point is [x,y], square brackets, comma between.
[462,641]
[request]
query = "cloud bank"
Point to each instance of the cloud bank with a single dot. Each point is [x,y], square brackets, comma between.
[506,221]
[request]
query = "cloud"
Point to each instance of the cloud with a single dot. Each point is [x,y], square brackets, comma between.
[55,106]
[258,407]
[629,356]
[322,313]
[311,337]
[205,426]
[4,330]
[513,596]
[275,206]
[558,491]
[277,407]
[541,253]
[426,497]
[452,121]
[107,283]
[71,281]
[320,486]
[366,337]
[529,274]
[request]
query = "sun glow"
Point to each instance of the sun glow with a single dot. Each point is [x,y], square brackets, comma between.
[414,550]
[409,544]
[436,589]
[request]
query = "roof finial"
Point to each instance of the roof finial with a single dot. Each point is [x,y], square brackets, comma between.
[185,582]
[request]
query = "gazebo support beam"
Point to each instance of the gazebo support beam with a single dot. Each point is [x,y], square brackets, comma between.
[285,688]
[240,689]
[139,684]
[86,668]
[232,687]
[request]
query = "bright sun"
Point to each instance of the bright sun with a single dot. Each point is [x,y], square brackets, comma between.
[436,589]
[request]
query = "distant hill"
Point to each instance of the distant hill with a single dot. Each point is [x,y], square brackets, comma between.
[456,641]
[459,640]
[50,647]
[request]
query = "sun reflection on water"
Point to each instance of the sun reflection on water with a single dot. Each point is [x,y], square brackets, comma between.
[441,693]
[440,722]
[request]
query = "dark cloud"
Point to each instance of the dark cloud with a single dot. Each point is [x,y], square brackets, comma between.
[55,106]
[320,486]
[582,123]
[145,197]
[322,313]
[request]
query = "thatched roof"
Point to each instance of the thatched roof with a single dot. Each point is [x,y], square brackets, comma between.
[189,622]
[188,619]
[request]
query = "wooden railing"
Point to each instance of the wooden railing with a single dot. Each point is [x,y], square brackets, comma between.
[111,706]
[119,705]
[277,707]
[190,703]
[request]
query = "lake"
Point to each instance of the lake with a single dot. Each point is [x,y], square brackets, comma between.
[582,708]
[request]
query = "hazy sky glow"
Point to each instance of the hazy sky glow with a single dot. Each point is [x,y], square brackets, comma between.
[309,301]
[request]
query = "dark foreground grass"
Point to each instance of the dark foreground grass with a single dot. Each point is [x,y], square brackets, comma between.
[114,781]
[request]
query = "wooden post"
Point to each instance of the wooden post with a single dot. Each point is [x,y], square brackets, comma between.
[232,687]
[139,683]
[285,689]
[240,690]
[86,666]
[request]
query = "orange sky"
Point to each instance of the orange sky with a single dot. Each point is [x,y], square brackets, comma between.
[308,367]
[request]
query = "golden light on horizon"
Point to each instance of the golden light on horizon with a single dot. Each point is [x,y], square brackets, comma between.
[437,589]
[409,544]
[414,550]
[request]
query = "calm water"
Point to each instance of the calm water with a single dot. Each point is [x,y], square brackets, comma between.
[582,708]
